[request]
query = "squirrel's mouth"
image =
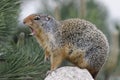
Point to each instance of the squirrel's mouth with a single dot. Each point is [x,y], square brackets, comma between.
[32,31]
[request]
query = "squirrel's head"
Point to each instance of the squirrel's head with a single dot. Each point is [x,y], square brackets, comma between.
[39,22]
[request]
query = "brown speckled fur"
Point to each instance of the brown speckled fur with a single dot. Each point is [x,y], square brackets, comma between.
[75,40]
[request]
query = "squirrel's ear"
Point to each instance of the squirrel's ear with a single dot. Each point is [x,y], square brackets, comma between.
[47,18]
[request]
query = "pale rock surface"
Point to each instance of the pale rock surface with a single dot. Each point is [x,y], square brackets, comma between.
[69,73]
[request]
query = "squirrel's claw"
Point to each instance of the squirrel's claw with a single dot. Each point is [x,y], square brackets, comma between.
[49,72]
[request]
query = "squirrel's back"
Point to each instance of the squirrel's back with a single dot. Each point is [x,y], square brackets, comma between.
[85,36]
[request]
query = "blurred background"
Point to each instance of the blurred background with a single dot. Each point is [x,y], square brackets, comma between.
[21,57]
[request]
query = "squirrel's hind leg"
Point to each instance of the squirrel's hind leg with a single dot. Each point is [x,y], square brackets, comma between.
[77,57]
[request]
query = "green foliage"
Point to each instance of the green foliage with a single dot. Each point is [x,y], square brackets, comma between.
[8,11]
[23,61]
[97,14]
[117,70]
[69,11]
[20,55]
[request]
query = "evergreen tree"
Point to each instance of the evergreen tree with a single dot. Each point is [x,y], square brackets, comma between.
[21,57]
[8,11]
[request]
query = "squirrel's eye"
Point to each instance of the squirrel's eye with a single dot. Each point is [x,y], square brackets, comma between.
[37,18]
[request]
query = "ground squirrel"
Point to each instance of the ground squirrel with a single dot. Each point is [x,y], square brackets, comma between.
[75,40]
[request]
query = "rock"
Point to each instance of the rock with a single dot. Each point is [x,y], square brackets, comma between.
[69,73]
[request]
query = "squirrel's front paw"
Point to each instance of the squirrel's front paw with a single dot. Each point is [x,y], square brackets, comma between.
[49,72]
[47,58]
